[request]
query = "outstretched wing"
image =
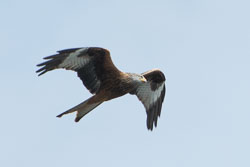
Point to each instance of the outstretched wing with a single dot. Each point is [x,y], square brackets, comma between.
[152,94]
[93,65]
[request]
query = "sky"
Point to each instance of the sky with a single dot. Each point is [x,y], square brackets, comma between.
[202,46]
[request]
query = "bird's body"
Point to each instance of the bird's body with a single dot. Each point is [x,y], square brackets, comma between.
[101,77]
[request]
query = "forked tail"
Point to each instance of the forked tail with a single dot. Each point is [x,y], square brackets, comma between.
[82,109]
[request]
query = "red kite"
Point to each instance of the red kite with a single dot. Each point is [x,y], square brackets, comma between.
[101,77]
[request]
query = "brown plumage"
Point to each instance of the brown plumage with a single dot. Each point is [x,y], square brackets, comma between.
[101,77]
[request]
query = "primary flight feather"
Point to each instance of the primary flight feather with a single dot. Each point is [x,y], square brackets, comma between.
[101,77]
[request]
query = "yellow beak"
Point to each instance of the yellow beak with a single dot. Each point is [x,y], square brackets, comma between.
[143,79]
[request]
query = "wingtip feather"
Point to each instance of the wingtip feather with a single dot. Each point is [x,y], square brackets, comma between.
[77,119]
[59,116]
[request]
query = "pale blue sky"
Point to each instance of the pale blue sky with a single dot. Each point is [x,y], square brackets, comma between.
[202,46]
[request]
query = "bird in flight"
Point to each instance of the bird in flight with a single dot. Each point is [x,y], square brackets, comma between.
[102,78]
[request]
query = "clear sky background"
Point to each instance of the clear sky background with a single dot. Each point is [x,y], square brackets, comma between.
[202,46]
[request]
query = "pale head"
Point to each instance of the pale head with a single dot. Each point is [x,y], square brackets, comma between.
[137,78]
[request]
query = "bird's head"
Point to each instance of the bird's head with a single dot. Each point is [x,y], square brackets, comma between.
[138,78]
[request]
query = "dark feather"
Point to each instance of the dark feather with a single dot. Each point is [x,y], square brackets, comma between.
[89,77]
[155,76]
[50,64]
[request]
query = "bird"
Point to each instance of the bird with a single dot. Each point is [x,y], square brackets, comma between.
[105,81]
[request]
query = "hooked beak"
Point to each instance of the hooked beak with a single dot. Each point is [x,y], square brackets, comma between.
[143,79]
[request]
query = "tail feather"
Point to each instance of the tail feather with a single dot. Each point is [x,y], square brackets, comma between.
[85,110]
[82,109]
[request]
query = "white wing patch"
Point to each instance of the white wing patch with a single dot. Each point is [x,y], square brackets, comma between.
[147,96]
[74,62]
[157,93]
